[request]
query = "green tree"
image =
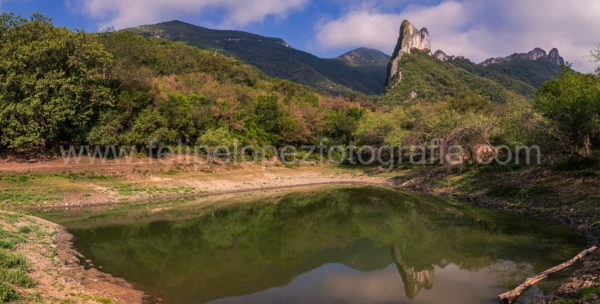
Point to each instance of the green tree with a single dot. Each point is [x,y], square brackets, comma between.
[341,126]
[596,57]
[52,83]
[214,138]
[571,102]
[273,119]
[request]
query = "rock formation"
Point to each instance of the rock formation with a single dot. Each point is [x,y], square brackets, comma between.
[441,56]
[413,280]
[410,38]
[555,57]
[533,55]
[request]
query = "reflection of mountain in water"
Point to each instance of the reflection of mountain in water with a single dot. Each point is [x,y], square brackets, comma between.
[412,279]
[251,247]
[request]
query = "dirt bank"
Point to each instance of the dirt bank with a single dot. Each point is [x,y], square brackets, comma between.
[56,268]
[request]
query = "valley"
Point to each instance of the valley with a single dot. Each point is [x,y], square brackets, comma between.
[123,171]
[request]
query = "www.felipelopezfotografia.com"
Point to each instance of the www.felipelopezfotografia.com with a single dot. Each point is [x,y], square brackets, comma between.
[300,151]
[385,157]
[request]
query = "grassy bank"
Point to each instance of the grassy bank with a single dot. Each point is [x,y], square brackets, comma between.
[38,266]
[13,266]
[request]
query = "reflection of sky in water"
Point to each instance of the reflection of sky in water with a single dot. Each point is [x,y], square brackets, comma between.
[334,283]
[354,245]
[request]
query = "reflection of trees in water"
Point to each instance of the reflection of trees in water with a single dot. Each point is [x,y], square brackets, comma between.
[255,246]
[412,279]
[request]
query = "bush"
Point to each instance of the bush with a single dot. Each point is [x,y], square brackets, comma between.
[216,137]
[571,103]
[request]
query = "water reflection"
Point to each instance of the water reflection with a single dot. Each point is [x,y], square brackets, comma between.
[343,245]
[414,280]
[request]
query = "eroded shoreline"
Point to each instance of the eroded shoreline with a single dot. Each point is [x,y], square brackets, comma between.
[56,268]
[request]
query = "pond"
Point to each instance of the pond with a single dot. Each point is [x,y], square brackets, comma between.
[331,245]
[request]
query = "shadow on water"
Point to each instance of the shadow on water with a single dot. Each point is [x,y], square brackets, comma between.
[352,244]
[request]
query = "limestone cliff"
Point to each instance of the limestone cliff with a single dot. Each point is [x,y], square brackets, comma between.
[410,38]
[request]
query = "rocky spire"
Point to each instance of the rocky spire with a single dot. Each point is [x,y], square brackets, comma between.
[555,57]
[410,38]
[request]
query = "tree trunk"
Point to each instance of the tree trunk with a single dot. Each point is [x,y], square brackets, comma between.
[511,296]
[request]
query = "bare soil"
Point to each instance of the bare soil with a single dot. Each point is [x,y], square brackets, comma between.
[57,272]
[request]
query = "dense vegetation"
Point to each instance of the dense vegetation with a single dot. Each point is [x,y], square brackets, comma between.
[572,106]
[425,78]
[532,72]
[458,102]
[277,59]
[52,82]
[63,87]
[508,82]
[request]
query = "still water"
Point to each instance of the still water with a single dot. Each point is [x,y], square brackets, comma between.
[334,245]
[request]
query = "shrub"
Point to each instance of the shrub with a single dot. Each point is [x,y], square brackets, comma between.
[213,138]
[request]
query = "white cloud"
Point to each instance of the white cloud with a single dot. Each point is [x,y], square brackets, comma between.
[477,29]
[127,13]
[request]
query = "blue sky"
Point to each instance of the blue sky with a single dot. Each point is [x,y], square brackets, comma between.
[477,29]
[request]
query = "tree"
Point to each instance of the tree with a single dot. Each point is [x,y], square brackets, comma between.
[596,56]
[52,83]
[571,102]
[214,138]
[271,117]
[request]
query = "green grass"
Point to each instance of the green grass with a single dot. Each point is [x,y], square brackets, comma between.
[24,230]
[98,299]
[8,240]
[13,272]
[13,267]
[7,293]
[31,188]
[15,178]
[132,189]
[12,196]
[565,302]
[587,292]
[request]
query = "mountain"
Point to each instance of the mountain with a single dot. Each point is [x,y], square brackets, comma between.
[426,78]
[410,38]
[364,57]
[534,55]
[414,73]
[361,70]
[513,84]
[533,68]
